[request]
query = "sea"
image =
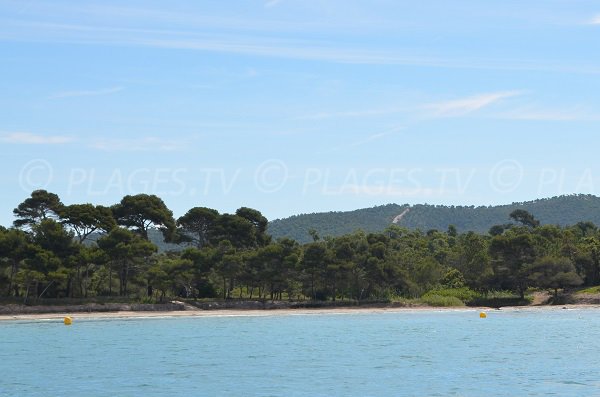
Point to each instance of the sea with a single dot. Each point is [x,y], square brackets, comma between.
[529,352]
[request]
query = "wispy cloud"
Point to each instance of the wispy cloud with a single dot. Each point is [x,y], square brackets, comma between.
[27,138]
[595,20]
[246,44]
[75,94]
[463,106]
[368,139]
[454,107]
[146,144]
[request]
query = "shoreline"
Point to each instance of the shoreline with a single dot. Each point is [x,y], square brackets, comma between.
[116,315]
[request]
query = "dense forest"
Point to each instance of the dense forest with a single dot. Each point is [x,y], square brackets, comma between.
[563,211]
[83,251]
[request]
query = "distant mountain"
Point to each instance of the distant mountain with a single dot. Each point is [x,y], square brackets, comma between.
[563,210]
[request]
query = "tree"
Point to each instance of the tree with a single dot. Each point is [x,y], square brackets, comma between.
[553,272]
[525,218]
[197,225]
[87,260]
[143,211]
[258,221]
[239,231]
[313,263]
[50,236]
[85,219]
[228,266]
[511,252]
[172,273]
[127,252]
[587,259]
[453,279]
[41,205]
[472,260]
[14,249]
[314,234]
[204,260]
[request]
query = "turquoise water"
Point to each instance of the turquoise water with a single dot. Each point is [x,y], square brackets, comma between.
[516,353]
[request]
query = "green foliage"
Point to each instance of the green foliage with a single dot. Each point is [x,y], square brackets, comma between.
[554,273]
[453,279]
[500,299]
[197,225]
[591,290]
[85,219]
[143,212]
[464,294]
[441,301]
[525,218]
[41,205]
[77,251]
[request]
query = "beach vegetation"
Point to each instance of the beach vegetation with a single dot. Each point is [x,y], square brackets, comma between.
[136,249]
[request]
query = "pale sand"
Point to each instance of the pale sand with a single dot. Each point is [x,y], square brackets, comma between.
[275,312]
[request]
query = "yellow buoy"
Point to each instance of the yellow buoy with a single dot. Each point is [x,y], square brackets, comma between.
[482,315]
[68,320]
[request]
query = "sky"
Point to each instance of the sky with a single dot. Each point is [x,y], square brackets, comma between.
[299,106]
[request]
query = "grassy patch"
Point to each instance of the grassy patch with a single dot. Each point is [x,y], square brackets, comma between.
[441,301]
[463,294]
[591,290]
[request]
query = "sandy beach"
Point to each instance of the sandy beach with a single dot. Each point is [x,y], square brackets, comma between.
[277,312]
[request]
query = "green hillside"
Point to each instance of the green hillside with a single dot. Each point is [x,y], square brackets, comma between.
[563,210]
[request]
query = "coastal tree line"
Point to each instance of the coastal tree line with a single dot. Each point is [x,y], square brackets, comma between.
[84,250]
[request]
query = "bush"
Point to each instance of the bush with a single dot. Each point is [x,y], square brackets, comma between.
[464,294]
[441,301]
[500,299]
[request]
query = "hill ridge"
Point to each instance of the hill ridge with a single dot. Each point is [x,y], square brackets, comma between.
[561,210]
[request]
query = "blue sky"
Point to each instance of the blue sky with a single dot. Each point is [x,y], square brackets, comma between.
[299,106]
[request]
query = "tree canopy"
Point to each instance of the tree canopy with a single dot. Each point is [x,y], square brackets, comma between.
[83,250]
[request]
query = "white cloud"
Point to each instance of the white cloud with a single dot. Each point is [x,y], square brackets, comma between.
[463,106]
[27,138]
[595,20]
[147,144]
[75,94]
[368,139]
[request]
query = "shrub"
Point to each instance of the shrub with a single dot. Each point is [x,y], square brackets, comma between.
[464,294]
[441,301]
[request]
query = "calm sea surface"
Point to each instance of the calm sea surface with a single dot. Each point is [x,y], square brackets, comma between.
[512,353]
